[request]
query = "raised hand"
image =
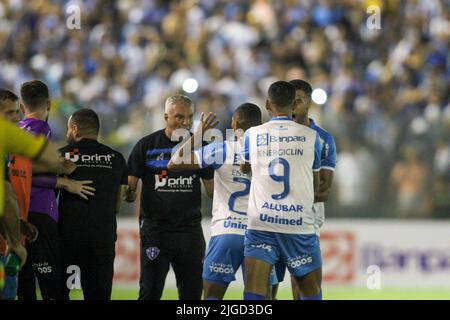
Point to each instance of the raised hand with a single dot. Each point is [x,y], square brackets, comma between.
[209,123]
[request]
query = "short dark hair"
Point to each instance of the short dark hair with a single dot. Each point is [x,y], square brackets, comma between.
[282,94]
[34,95]
[248,115]
[86,120]
[5,94]
[302,85]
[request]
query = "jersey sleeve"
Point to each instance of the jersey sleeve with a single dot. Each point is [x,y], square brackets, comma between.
[317,153]
[136,160]
[21,143]
[211,155]
[245,154]
[328,159]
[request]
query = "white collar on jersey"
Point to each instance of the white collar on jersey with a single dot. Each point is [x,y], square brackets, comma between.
[281,118]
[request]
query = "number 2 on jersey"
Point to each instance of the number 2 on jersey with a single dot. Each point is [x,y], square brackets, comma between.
[280,178]
[237,194]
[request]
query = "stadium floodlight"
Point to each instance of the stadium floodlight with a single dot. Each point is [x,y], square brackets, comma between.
[319,96]
[190,85]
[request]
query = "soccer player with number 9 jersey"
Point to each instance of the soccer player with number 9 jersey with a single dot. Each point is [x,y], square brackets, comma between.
[284,158]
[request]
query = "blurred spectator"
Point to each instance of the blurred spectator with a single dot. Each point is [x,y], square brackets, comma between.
[410,177]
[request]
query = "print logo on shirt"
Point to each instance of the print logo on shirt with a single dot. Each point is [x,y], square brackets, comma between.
[102,160]
[161,179]
[73,156]
[173,184]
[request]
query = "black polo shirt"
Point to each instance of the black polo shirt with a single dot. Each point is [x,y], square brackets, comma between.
[170,200]
[93,219]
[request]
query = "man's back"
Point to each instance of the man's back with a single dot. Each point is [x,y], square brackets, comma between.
[42,198]
[93,219]
[231,187]
[283,155]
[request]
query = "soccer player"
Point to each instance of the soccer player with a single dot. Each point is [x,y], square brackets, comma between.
[231,188]
[170,216]
[88,228]
[284,158]
[303,91]
[15,141]
[17,178]
[44,254]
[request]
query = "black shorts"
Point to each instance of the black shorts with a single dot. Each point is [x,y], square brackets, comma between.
[95,261]
[44,262]
[184,251]
[45,253]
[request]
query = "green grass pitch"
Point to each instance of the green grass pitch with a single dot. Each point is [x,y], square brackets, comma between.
[332,293]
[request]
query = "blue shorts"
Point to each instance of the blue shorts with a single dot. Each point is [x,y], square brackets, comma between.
[224,257]
[10,289]
[300,252]
[280,270]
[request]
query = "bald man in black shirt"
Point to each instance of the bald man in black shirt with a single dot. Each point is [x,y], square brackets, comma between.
[88,226]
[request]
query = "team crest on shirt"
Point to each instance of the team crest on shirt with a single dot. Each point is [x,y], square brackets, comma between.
[160,157]
[165,184]
[152,253]
[73,156]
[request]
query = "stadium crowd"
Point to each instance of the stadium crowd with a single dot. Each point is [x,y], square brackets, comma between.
[388,89]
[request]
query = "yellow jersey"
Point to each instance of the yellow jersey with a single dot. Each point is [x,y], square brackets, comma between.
[15,141]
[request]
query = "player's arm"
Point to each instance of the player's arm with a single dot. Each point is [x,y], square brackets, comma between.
[10,223]
[21,143]
[135,169]
[209,187]
[130,194]
[66,167]
[78,187]
[316,176]
[317,166]
[120,196]
[328,165]
[245,153]
[180,162]
[29,230]
[326,181]
[123,187]
[44,153]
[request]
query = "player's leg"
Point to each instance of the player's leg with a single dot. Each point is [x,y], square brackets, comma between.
[98,271]
[257,274]
[70,257]
[214,290]
[273,281]
[307,286]
[280,271]
[188,264]
[46,257]
[155,263]
[303,259]
[224,257]
[260,256]
[26,288]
